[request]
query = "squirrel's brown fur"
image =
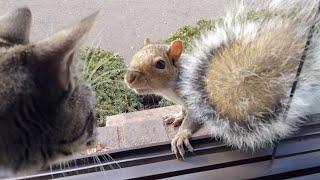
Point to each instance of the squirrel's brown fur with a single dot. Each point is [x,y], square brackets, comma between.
[244,78]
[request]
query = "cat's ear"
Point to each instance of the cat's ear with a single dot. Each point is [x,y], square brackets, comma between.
[56,53]
[15,26]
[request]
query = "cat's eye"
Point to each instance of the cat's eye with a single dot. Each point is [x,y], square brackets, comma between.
[160,64]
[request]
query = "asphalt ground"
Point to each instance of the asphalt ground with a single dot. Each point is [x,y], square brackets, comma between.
[121,25]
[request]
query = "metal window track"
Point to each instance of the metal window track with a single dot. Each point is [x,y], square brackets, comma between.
[297,156]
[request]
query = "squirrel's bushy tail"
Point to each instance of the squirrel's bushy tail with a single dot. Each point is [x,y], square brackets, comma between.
[239,76]
[246,79]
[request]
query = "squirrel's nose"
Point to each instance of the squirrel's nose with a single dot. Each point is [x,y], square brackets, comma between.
[131,76]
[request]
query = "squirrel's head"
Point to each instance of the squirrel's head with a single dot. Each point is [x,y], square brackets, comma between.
[154,68]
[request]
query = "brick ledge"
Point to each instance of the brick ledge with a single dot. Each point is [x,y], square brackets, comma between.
[138,129]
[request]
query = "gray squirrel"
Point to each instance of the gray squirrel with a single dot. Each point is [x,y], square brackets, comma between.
[236,81]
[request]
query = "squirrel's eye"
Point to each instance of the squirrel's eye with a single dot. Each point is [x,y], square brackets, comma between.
[160,64]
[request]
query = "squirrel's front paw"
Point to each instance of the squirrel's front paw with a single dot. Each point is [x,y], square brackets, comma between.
[174,119]
[181,139]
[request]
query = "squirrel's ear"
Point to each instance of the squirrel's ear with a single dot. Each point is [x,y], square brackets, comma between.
[146,41]
[175,50]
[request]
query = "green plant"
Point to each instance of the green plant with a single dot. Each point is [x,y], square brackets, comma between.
[189,33]
[105,71]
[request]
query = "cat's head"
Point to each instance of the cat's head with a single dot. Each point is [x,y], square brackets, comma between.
[45,105]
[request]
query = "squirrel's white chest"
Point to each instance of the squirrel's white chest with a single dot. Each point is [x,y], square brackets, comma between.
[171,95]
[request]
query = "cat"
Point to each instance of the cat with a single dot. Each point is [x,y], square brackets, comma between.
[46,110]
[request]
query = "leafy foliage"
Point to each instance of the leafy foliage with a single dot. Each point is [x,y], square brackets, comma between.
[188,33]
[105,71]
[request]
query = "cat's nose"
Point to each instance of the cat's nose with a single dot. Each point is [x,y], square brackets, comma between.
[131,76]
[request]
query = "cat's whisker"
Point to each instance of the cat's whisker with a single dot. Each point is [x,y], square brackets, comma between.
[100,164]
[100,40]
[94,163]
[102,75]
[106,81]
[98,34]
[86,162]
[50,167]
[64,166]
[76,166]
[95,70]
[51,30]
[60,164]
[86,62]
[107,160]
[106,71]
[68,164]
[44,31]
[113,160]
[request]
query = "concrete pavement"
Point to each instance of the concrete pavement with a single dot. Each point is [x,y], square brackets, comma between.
[122,25]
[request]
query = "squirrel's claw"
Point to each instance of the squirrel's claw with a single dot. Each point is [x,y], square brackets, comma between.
[177,148]
[168,119]
[178,143]
[177,122]
[174,119]
[188,145]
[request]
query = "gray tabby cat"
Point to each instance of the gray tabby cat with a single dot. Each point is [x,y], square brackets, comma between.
[46,107]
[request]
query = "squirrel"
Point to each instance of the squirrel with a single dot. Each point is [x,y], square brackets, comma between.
[236,81]
[160,74]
